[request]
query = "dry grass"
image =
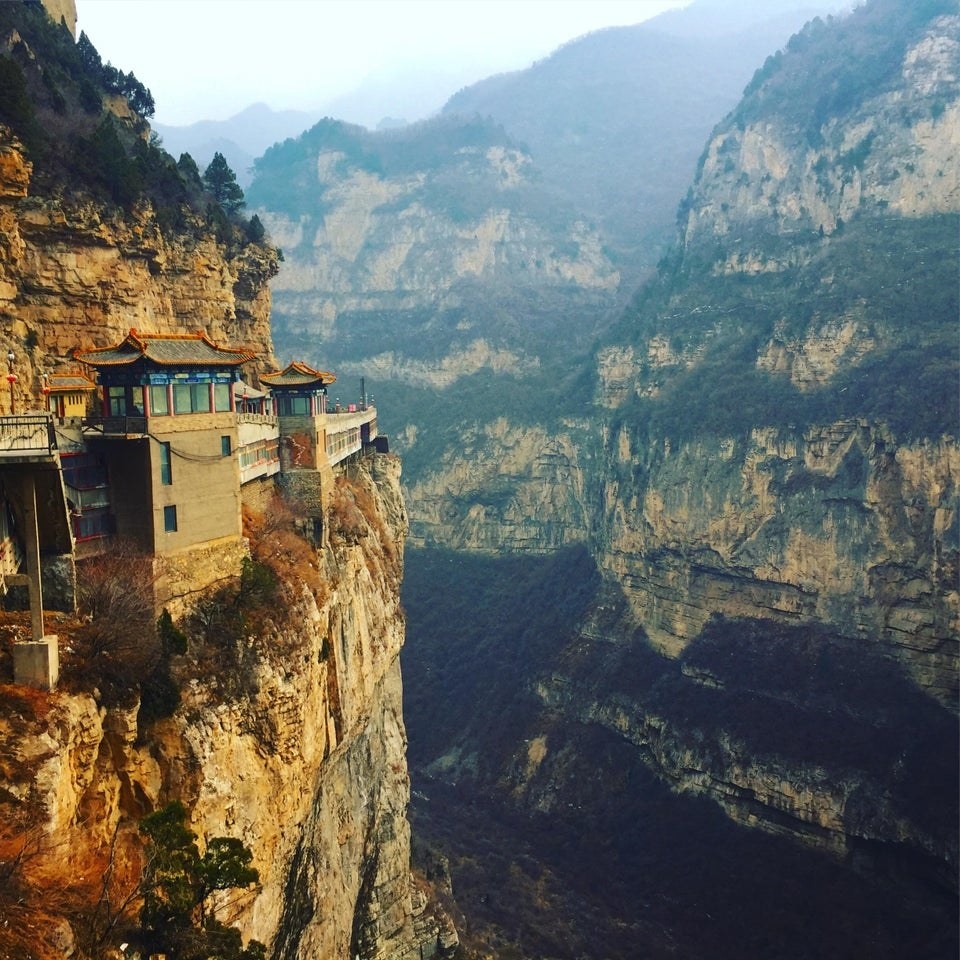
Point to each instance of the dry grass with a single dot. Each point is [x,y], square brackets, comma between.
[43,884]
[276,542]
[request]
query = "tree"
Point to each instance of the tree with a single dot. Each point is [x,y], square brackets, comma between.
[221,181]
[189,170]
[16,107]
[255,230]
[170,885]
[89,57]
[178,881]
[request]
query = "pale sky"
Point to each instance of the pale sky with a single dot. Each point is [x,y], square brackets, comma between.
[208,59]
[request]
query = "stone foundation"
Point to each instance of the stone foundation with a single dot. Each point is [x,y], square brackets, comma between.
[180,577]
[36,663]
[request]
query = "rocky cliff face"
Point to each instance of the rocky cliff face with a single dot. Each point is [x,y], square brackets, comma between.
[895,152]
[370,246]
[846,524]
[507,487]
[433,262]
[873,553]
[76,274]
[307,767]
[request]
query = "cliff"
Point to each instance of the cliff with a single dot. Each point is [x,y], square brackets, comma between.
[746,493]
[75,273]
[295,743]
[422,238]
[281,725]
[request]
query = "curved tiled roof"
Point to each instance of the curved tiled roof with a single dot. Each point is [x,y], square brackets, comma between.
[165,349]
[64,382]
[297,374]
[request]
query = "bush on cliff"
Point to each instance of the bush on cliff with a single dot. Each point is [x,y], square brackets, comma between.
[178,881]
[121,652]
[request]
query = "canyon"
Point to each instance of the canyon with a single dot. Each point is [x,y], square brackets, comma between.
[672,569]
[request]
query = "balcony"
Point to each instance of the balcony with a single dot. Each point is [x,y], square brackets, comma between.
[135,426]
[27,436]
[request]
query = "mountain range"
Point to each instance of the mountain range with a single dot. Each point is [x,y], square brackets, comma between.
[683,512]
[679,603]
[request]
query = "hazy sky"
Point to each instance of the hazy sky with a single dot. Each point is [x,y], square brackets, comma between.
[208,59]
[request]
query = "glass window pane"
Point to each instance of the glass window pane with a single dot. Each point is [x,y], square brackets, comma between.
[166,465]
[159,402]
[221,397]
[181,398]
[117,397]
[200,396]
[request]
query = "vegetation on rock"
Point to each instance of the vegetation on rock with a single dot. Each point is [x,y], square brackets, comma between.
[178,882]
[55,96]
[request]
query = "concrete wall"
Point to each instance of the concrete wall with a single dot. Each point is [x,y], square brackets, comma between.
[206,482]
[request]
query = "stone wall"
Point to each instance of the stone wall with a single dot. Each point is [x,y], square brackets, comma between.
[181,577]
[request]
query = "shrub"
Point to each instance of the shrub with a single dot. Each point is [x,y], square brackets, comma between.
[177,884]
[118,645]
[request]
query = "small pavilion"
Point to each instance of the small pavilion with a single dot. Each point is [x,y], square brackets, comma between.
[67,393]
[299,390]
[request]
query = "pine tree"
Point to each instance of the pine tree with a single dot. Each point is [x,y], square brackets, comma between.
[221,181]
[189,170]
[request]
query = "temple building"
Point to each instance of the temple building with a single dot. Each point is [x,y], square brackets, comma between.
[167,435]
[68,394]
[161,452]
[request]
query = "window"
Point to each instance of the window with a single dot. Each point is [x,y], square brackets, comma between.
[170,519]
[117,401]
[191,398]
[159,401]
[225,446]
[221,397]
[181,398]
[293,406]
[166,465]
[200,397]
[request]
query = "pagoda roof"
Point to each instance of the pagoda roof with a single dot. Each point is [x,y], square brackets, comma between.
[68,382]
[166,350]
[297,374]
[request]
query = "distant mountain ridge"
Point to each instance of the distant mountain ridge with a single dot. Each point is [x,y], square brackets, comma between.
[241,138]
[613,120]
[246,135]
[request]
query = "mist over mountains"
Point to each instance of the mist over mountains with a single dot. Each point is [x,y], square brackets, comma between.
[382,102]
